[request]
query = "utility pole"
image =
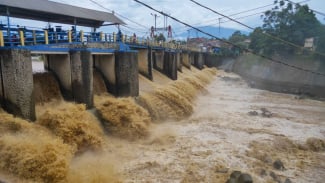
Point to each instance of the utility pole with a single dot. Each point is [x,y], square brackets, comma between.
[155,15]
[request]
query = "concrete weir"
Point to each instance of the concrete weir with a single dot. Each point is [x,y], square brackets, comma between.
[74,68]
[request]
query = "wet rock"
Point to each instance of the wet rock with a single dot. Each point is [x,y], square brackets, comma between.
[245,178]
[287,180]
[277,164]
[253,113]
[235,174]
[266,113]
[231,180]
[238,177]
[275,177]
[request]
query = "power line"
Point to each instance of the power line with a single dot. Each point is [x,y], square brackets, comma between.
[247,50]
[100,5]
[247,26]
[234,14]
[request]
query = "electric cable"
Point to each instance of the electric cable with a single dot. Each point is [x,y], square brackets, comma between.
[265,33]
[247,50]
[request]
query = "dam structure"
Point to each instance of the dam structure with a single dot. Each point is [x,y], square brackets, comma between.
[73,55]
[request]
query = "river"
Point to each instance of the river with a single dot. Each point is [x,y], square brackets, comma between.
[226,126]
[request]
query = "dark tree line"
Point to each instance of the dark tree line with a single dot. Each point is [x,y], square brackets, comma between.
[290,22]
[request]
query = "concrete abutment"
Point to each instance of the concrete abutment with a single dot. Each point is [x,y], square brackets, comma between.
[17,95]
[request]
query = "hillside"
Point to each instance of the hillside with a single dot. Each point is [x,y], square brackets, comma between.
[224,32]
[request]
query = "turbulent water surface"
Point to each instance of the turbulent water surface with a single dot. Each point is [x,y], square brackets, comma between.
[199,128]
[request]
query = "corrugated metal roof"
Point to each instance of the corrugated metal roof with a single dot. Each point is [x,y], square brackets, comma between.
[49,11]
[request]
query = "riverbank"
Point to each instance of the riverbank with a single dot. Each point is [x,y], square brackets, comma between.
[264,74]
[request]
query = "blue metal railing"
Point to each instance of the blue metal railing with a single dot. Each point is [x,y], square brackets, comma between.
[27,37]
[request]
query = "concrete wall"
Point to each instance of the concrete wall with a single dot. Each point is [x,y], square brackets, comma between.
[17,83]
[126,71]
[264,74]
[185,59]
[144,62]
[60,66]
[198,60]
[211,60]
[105,64]
[82,77]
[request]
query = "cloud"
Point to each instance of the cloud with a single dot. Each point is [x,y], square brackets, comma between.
[184,10]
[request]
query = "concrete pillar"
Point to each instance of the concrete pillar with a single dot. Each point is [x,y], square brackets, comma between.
[144,61]
[170,65]
[105,64]
[17,83]
[179,61]
[82,76]
[198,60]
[186,60]
[126,72]
[192,56]
[60,66]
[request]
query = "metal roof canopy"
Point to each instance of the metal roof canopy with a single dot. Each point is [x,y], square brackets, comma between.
[48,11]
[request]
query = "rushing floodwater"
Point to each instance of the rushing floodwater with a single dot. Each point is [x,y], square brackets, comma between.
[175,131]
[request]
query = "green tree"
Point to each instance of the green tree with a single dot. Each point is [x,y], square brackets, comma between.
[288,22]
[237,37]
[160,37]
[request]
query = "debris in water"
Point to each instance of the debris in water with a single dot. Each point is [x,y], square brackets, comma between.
[266,113]
[253,113]
[277,164]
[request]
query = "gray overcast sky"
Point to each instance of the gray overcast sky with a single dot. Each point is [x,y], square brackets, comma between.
[185,10]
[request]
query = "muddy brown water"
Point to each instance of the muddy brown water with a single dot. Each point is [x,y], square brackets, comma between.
[214,135]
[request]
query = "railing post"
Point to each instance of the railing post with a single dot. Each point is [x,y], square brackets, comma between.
[81,36]
[101,35]
[114,37]
[2,43]
[123,36]
[22,38]
[69,36]
[46,35]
